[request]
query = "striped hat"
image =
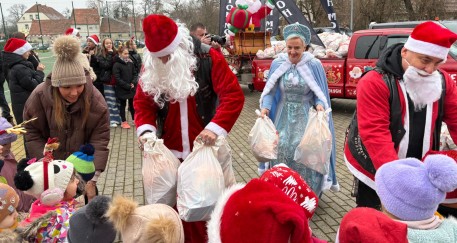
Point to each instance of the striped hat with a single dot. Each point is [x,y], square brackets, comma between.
[83,161]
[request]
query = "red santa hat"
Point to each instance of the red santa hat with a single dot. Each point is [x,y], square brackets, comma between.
[257,212]
[72,31]
[291,183]
[17,46]
[370,225]
[161,35]
[94,38]
[431,39]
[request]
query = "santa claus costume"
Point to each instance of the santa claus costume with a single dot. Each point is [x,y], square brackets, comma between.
[168,81]
[418,102]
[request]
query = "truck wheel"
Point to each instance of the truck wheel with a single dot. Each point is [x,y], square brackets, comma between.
[251,87]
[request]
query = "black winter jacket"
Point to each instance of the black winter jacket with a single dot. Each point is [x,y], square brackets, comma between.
[105,67]
[125,74]
[136,58]
[23,79]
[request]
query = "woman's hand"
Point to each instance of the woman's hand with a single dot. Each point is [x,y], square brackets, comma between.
[319,108]
[207,137]
[91,190]
[264,112]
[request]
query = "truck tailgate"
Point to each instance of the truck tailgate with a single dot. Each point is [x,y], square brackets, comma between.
[335,70]
[260,69]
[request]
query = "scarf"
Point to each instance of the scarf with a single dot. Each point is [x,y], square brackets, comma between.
[426,224]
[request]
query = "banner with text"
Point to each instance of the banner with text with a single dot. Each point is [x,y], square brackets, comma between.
[290,11]
[271,22]
[224,10]
[328,7]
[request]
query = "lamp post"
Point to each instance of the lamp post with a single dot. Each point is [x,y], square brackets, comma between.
[352,12]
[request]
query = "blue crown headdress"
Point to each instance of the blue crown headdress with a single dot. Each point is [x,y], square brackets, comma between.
[297,30]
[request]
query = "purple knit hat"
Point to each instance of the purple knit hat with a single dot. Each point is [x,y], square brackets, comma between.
[412,190]
[6,138]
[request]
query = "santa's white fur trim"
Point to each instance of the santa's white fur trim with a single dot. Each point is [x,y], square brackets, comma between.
[214,224]
[93,40]
[168,49]
[23,49]
[184,119]
[426,48]
[359,175]
[218,130]
[145,127]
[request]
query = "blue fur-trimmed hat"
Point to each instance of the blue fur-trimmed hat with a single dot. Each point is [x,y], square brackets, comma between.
[297,30]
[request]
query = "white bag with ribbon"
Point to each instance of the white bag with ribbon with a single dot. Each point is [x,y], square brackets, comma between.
[315,147]
[263,139]
[200,183]
[160,172]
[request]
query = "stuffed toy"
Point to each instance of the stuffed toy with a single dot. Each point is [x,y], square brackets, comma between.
[247,14]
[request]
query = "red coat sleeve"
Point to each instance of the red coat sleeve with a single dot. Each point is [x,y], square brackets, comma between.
[145,111]
[231,97]
[373,117]
[450,107]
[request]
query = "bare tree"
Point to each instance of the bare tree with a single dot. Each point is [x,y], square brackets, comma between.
[15,12]
[91,4]
[409,9]
[67,13]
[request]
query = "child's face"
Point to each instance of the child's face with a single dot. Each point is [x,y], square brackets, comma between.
[70,193]
[125,54]
[6,149]
[9,221]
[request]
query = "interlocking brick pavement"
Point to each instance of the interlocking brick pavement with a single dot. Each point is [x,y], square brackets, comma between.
[123,172]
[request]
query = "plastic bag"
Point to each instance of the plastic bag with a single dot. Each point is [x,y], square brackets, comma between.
[200,183]
[160,172]
[263,139]
[315,147]
[224,156]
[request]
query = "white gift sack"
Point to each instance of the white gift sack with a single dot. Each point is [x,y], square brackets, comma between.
[160,172]
[200,183]
[224,156]
[315,147]
[263,139]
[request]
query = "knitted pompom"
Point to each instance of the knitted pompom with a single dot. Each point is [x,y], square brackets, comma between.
[23,180]
[162,229]
[120,210]
[442,172]
[97,208]
[66,48]
[87,149]
[22,164]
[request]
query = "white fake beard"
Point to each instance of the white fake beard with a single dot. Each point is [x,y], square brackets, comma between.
[174,80]
[422,90]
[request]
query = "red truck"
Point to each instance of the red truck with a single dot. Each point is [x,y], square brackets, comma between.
[343,74]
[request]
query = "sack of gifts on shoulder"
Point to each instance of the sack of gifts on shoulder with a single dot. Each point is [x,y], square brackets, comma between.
[200,183]
[263,139]
[160,172]
[315,147]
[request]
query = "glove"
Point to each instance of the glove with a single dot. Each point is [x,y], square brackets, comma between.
[147,136]
[270,4]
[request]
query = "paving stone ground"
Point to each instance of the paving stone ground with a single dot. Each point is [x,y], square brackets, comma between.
[123,172]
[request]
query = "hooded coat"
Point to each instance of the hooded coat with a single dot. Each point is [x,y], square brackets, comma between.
[23,79]
[125,74]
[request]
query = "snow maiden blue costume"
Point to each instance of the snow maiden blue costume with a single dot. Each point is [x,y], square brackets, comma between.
[290,91]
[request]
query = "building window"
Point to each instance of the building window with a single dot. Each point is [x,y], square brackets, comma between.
[23,18]
[26,26]
[119,35]
[91,28]
[31,16]
[79,28]
[37,16]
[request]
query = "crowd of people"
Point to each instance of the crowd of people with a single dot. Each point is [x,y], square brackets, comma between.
[182,91]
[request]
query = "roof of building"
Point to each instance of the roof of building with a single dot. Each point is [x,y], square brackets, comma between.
[120,26]
[48,11]
[86,16]
[50,27]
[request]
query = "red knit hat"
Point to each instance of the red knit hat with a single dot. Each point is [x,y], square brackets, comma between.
[293,185]
[431,39]
[362,225]
[257,212]
[161,35]
[17,46]
[73,32]
[94,38]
